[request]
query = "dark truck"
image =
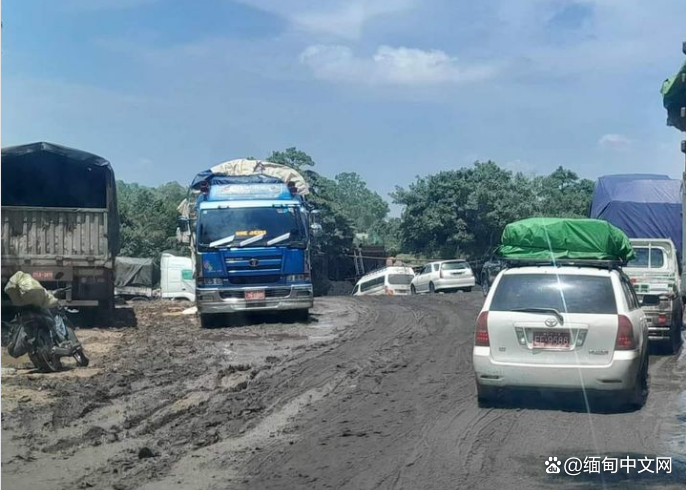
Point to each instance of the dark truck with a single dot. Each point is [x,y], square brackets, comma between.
[60,221]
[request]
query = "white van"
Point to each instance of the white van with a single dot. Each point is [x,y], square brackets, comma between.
[176,277]
[393,280]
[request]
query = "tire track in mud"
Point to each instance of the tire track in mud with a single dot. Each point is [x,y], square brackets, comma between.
[373,393]
[169,387]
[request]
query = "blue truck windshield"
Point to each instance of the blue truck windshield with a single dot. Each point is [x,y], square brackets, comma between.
[269,223]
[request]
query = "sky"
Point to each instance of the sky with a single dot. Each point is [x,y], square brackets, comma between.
[390,89]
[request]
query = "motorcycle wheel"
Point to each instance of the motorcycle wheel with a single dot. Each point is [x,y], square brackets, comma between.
[42,356]
[81,359]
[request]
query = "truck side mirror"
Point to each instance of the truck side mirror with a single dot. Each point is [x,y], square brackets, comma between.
[316,230]
[315,227]
[183,231]
[650,300]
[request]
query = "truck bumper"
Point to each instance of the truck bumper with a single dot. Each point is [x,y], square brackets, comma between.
[277,298]
[659,325]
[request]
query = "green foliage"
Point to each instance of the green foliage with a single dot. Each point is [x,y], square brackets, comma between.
[292,157]
[463,212]
[386,232]
[338,230]
[148,218]
[563,194]
[360,205]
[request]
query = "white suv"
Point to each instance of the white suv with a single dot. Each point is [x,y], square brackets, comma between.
[447,275]
[565,327]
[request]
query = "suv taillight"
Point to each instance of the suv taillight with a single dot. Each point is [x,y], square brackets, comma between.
[625,334]
[389,291]
[481,335]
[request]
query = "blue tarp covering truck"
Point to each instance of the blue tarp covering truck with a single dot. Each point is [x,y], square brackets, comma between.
[250,227]
[648,208]
[641,205]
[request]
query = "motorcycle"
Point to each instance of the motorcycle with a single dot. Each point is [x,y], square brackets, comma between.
[46,335]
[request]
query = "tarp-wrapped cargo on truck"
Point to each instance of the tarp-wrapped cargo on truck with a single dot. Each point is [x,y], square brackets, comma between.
[131,271]
[242,171]
[549,239]
[674,98]
[135,276]
[641,205]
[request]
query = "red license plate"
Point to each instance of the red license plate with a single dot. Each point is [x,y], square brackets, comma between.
[42,275]
[254,294]
[551,340]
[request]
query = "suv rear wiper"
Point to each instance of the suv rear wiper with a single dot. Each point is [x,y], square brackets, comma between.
[552,311]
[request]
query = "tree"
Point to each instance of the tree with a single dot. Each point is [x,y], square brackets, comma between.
[360,205]
[148,218]
[386,232]
[563,194]
[292,157]
[463,212]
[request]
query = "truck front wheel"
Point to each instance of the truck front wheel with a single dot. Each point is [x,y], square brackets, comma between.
[207,321]
[299,316]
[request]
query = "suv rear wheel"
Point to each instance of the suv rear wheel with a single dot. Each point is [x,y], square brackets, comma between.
[432,288]
[637,396]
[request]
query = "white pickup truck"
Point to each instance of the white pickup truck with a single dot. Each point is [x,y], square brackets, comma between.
[656,277]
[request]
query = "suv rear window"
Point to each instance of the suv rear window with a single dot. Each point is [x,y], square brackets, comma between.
[397,279]
[655,259]
[453,266]
[565,293]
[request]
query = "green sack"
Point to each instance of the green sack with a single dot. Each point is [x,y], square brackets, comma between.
[24,290]
[564,238]
[674,98]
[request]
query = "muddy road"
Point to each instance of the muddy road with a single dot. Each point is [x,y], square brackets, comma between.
[372,393]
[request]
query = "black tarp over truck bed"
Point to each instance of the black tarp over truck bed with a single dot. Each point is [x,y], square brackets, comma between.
[59,215]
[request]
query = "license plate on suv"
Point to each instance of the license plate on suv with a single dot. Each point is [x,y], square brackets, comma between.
[252,295]
[551,340]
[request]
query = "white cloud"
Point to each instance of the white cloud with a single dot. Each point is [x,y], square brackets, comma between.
[397,66]
[613,141]
[343,18]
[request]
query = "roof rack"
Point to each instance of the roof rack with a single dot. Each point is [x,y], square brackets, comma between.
[599,264]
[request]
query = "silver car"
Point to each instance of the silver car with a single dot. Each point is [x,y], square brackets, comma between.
[560,328]
[444,276]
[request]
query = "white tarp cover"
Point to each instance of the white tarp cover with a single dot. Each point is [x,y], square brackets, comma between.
[244,167]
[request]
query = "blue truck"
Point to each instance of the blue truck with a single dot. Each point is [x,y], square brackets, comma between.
[250,230]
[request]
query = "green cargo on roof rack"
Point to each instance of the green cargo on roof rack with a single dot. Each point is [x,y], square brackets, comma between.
[550,239]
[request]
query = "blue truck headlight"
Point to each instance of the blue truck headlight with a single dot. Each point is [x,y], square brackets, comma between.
[296,277]
[213,281]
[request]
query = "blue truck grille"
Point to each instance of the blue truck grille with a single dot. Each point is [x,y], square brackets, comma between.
[255,279]
[258,267]
[246,258]
[247,269]
[268,293]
